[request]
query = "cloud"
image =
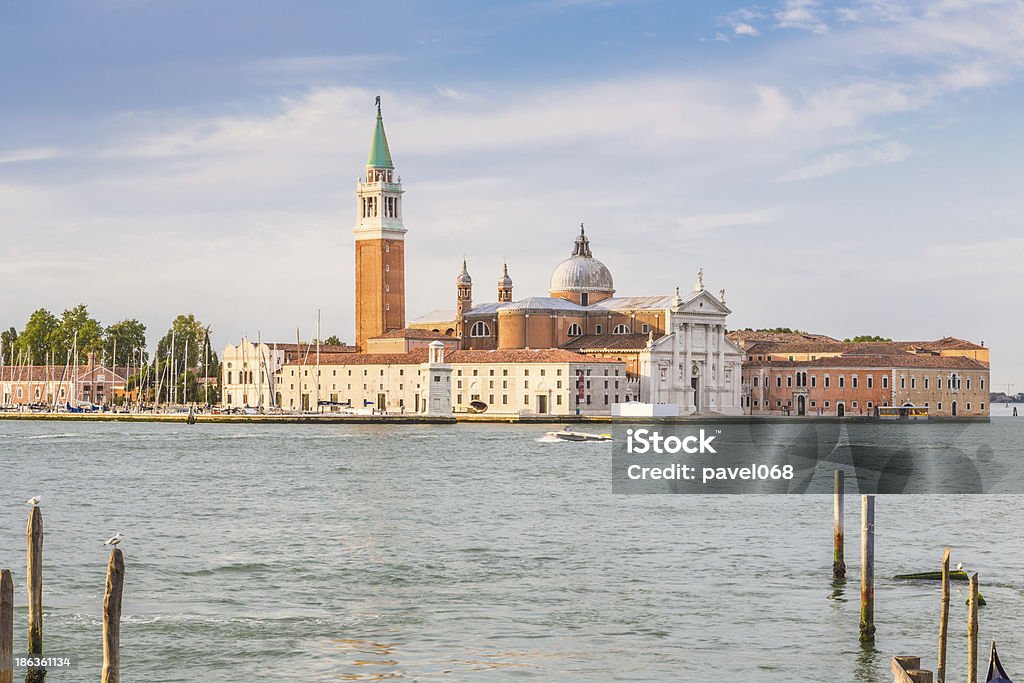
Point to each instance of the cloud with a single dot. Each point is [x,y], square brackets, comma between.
[742,29]
[887,152]
[14,156]
[800,14]
[703,223]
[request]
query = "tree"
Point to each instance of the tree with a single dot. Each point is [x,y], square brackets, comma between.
[36,340]
[868,338]
[77,329]
[333,341]
[125,338]
[192,353]
[8,344]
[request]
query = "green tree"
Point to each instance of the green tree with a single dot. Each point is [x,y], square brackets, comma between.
[182,355]
[36,341]
[333,340]
[8,346]
[125,338]
[868,338]
[77,330]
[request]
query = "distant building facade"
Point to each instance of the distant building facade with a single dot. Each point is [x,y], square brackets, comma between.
[249,370]
[949,376]
[56,385]
[519,382]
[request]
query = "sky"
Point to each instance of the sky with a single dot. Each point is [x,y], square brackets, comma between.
[844,168]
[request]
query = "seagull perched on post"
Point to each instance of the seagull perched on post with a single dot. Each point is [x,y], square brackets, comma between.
[33,501]
[959,566]
[114,540]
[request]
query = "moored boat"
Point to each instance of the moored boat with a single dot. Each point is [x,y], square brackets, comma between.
[996,673]
[569,434]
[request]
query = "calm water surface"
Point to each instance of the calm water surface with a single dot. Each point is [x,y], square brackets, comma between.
[334,552]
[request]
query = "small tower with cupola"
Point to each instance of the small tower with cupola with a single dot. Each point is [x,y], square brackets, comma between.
[463,298]
[504,286]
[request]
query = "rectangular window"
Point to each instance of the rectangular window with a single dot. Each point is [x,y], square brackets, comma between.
[778,380]
[885,381]
[853,380]
[842,381]
[814,380]
[913,383]
[871,382]
[789,380]
[927,381]
[827,378]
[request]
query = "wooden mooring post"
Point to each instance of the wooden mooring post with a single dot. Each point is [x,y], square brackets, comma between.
[35,593]
[972,632]
[908,670]
[940,672]
[867,569]
[838,535]
[112,618]
[6,627]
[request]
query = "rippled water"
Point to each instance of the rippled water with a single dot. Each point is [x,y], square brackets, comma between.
[334,552]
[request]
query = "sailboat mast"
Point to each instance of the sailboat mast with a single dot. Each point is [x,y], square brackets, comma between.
[184,381]
[318,360]
[298,347]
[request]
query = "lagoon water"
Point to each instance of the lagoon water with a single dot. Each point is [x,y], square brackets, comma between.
[470,552]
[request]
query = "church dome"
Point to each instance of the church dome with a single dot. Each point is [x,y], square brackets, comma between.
[581,272]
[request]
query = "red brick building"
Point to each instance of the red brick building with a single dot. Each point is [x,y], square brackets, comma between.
[949,376]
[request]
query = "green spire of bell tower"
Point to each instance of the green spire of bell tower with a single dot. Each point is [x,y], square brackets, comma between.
[380,155]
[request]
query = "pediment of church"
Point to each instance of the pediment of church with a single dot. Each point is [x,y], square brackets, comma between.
[703,303]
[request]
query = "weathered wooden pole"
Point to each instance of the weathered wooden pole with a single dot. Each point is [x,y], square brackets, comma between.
[112,618]
[35,593]
[940,674]
[6,627]
[867,569]
[838,535]
[972,632]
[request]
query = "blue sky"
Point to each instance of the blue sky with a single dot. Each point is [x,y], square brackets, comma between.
[845,168]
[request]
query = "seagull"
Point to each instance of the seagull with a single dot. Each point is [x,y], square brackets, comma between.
[959,566]
[33,501]
[114,540]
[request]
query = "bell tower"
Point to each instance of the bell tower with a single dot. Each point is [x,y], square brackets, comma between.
[463,299]
[380,244]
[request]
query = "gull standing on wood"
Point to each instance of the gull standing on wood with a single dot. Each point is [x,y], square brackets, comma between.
[33,501]
[114,540]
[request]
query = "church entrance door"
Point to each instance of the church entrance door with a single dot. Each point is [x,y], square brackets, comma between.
[841,410]
[695,383]
[801,405]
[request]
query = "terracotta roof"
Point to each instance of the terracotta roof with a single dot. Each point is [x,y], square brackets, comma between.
[888,360]
[946,344]
[861,348]
[753,336]
[522,356]
[45,373]
[311,347]
[610,342]
[412,333]
[414,357]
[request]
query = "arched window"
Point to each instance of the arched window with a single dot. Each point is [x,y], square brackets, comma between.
[621,329]
[480,329]
[575,330]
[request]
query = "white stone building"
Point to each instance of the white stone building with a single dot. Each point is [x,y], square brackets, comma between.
[693,367]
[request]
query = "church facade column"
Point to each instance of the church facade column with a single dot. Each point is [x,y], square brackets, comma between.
[721,366]
[687,391]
